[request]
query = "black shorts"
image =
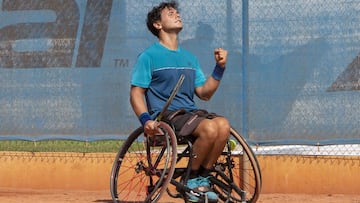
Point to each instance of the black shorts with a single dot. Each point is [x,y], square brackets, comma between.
[186,122]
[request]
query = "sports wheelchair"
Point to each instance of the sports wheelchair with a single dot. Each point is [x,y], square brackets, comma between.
[145,168]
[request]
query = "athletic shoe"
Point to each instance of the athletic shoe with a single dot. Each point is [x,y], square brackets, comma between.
[201,185]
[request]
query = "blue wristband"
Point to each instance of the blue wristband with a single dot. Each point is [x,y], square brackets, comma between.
[144,117]
[218,72]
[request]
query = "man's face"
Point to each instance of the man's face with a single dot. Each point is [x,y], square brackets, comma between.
[170,19]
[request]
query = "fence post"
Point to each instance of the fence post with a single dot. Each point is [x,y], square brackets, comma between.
[245,53]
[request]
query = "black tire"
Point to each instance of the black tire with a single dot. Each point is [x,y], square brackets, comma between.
[244,174]
[144,167]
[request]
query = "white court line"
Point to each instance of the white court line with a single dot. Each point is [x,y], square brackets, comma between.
[328,150]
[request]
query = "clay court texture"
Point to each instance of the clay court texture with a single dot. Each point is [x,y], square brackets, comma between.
[85,177]
[80,196]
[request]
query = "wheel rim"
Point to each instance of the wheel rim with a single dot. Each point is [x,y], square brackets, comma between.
[137,177]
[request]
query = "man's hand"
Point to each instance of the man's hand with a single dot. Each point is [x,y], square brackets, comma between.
[220,56]
[151,128]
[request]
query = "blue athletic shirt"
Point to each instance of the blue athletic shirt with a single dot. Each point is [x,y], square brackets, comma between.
[158,69]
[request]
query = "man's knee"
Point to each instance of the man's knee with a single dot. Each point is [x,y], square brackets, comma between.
[207,129]
[223,129]
[223,124]
[215,129]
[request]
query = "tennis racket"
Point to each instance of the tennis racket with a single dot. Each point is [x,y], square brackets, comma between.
[171,97]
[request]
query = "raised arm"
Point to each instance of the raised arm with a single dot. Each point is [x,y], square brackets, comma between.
[206,91]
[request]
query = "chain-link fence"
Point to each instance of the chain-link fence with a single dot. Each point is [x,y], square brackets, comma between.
[292,76]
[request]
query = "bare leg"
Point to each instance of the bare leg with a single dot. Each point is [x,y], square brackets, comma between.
[223,132]
[211,139]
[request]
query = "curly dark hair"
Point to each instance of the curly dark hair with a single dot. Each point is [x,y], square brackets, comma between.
[155,15]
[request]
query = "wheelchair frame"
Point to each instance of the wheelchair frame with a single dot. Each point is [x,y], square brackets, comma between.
[147,167]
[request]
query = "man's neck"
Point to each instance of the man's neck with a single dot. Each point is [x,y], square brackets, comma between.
[169,41]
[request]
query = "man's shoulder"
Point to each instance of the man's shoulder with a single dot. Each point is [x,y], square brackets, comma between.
[150,50]
[153,47]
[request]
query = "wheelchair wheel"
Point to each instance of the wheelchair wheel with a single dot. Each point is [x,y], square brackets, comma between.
[237,172]
[144,166]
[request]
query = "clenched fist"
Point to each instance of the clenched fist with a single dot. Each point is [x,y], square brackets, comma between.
[220,56]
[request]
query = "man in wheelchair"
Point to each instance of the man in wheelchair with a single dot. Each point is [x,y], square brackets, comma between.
[154,75]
